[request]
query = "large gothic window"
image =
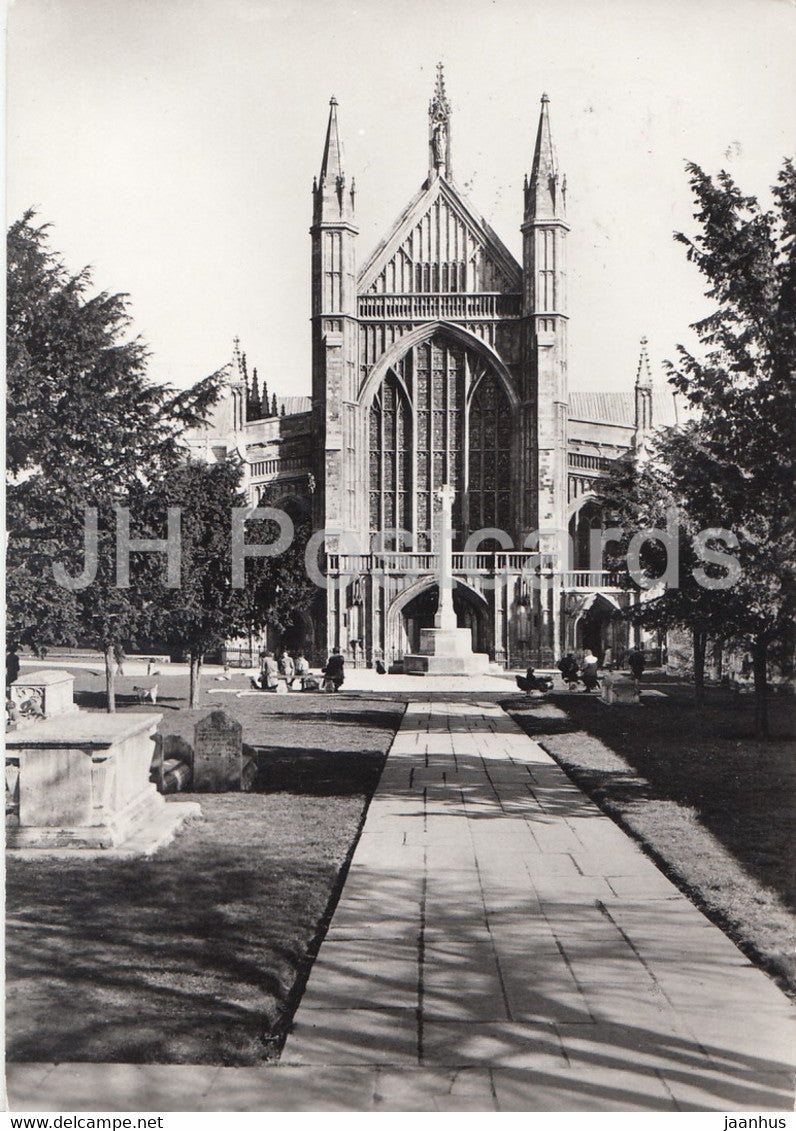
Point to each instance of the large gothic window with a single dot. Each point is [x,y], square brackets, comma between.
[490,456]
[439,375]
[390,459]
[416,450]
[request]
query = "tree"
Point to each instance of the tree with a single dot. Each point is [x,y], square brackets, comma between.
[736,466]
[644,495]
[730,468]
[85,429]
[207,610]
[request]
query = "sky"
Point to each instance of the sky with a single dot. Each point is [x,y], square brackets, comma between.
[171,144]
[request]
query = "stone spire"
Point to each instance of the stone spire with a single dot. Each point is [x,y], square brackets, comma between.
[545,192]
[332,201]
[439,131]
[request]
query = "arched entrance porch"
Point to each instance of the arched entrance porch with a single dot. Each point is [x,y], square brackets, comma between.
[600,627]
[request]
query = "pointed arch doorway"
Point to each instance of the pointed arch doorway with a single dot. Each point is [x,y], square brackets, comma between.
[599,627]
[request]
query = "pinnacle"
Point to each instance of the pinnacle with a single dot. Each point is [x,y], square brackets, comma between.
[332,164]
[643,373]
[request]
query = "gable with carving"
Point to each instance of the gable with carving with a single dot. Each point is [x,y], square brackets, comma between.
[440,246]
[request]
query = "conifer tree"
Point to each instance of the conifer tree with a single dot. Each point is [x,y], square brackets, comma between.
[85,429]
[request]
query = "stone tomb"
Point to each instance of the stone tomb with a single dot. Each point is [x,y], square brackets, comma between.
[82,781]
[42,694]
[618,689]
[219,761]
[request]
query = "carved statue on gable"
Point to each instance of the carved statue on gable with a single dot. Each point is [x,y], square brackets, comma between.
[438,140]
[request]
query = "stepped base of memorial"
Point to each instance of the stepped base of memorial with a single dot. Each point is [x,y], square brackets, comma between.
[446,651]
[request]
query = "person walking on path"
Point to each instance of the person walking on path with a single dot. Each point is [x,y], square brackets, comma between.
[333,672]
[636,663]
[119,658]
[568,666]
[588,671]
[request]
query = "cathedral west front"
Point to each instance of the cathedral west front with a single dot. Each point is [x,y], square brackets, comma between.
[439,359]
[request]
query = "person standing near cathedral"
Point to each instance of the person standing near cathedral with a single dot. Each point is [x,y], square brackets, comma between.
[12,664]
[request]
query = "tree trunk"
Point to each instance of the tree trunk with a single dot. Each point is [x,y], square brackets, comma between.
[110,677]
[759,654]
[195,661]
[700,643]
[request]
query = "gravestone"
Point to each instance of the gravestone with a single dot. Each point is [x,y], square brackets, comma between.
[619,690]
[219,763]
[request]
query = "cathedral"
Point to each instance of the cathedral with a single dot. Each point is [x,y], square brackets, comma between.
[439,359]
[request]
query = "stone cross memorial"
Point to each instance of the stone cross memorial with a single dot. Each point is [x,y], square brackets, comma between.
[446,649]
[219,764]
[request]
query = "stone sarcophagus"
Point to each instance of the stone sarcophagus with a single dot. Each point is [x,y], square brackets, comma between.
[42,695]
[79,781]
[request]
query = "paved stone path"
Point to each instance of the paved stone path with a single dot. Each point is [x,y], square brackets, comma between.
[499,945]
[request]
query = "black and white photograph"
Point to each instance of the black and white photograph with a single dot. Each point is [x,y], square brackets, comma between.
[400,559]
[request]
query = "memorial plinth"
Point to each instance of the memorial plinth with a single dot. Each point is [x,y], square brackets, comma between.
[82,781]
[446,651]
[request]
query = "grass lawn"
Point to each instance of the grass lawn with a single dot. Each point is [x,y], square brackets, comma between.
[199,954]
[713,805]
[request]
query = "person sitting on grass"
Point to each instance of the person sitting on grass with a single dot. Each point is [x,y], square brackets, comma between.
[568,666]
[636,663]
[269,673]
[302,669]
[588,671]
[287,668]
[333,672]
[533,682]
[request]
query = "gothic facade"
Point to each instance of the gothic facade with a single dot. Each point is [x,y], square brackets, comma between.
[440,359]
